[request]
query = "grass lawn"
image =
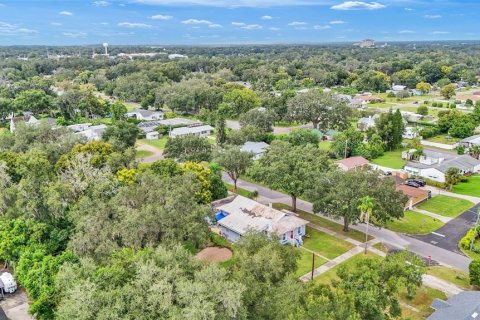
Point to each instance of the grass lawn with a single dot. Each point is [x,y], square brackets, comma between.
[391,159]
[322,222]
[446,206]
[443,138]
[380,246]
[422,301]
[157,143]
[331,275]
[457,277]
[325,244]
[414,223]
[304,262]
[471,187]
[243,192]
[379,105]
[324,145]
[143,153]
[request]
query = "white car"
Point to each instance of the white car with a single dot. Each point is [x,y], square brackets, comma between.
[9,283]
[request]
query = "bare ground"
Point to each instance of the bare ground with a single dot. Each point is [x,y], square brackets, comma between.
[214,254]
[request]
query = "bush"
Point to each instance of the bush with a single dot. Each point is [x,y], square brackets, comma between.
[460,150]
[423,110]
[474,270]
[391,95]
[429,132]
[434,104]
[470,237]
[433,183]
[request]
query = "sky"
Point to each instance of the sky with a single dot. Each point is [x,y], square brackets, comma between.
[197,22]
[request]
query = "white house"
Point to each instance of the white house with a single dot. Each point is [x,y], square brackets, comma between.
[366,123]
[149,126]
[434,164]
[471,141]
[147,115]
[201,131]
[30,120]
[257,148]
[410,133]
[236,216]
[152,135]
[398,88]
[79,127]
[93,133]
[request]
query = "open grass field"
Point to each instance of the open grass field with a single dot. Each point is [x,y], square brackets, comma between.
[304,262]
[470,188]
[322,222]
[457,277]
[158,143]
[324,145]
[390,159]
[379,105]
[443,138]
[446,206]
[325,244]
[414,223]
[143,154]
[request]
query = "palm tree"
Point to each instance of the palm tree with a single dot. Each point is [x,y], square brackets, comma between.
[366,207]
[475,151]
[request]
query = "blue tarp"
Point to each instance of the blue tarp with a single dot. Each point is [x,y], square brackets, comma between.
[219,216]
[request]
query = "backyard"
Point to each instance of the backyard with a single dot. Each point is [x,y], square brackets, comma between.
[414,223]
[390,159]
[157,143]
[443,138]
[325,244]
[143,154]
[471,187]
[446,206]
[304,262]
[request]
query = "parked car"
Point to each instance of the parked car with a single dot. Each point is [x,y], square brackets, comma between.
[8,283]
[412,184]
[420,182]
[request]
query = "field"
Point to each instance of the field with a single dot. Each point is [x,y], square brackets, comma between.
[304,262]
[325,244]
[158,143]
[446,206]
[324,145]
[143,154]
[470,188]
[414,223]
[328,224]
[390,159]
[457,277]
[443,138]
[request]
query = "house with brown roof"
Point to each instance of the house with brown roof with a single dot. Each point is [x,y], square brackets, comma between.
[415,195]
[352,163]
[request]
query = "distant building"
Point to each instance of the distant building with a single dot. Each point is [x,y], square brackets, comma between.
[410,133]
[150,126]
[352,163]
[93,133]
[147,115]
[200,131]
[367,43]
[257,148]
[366,123]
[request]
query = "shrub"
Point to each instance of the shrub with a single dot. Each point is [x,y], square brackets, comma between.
[460,150]
[474,270]
[433,183]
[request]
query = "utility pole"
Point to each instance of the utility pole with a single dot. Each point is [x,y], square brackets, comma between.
[346,145]
[313,264]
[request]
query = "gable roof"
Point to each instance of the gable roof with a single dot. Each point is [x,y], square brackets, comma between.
[144,113]
[411,192]
[463,306]
[191,130]
[471,139]
[255,147]
[353,162]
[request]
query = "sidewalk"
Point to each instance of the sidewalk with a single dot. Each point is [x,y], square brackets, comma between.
[437,191]
[433,215]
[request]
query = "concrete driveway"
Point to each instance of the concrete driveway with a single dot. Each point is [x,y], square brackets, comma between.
[448,236]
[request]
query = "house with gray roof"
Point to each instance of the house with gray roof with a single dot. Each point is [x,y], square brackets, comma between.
[470,141]
[463,306]
[434,164]
[257,148]
[149,126]
[200,131]
[366,123]
[237,215]
[146,115]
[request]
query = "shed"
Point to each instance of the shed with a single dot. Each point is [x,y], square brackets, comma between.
[152,135]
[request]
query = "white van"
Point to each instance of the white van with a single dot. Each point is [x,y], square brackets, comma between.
[9,283]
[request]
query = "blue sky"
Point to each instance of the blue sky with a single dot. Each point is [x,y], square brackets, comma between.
[70,22]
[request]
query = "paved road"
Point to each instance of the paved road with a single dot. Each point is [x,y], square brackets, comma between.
[448,236]
[397,240]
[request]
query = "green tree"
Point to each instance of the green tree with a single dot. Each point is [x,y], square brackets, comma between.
[188,148]
[366,206]
[240,101]
[474,269]
[118,110]
[220,131]
[346,144]
[323,110]
[423,110]
[166,168]
[262,119]
[302,136]
[34,100]
[234,161]
[122,134]
[423,87]
[452,177]
[337,195]
[448,91]
[390,128]
[291,169]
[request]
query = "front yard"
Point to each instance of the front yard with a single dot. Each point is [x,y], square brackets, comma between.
[157,143]
[443,138]
[390,159]
[414,223]
[446,206]
[470,187]
[143,154]
[325,244]
[304,262]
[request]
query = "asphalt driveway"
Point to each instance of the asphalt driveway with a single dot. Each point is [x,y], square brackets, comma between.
[448,236]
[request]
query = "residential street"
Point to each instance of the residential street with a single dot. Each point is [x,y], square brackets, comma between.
[401,241]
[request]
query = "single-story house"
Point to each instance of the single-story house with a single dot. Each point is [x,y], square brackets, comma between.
[150,126]
[415,195]
[367,97]
[29,119]
[366,123]
[257,148]
[462,306]
[201,131]
[352,163]
[470,141]
[79,127]
[152,135]
[398,88]
[93,133]
[434,164]
[147,115]
[239,215]
[410,133]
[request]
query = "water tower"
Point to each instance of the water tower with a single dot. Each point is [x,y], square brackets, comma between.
[105,45]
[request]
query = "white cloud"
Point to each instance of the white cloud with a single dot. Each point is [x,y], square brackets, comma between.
[408,9]
[236,3]
[104,23]
[161,17]
[215,25]
[440,32]
[251,27]
[337,22]
[319,27]
[196,21]
[297,23]
[358,5]
[134,25]
[74,34]
[55,24]
[406,31]
[432,16]
[101,3]
[11,29]
[238,24]
[267,18]
[65,13]
[274,28]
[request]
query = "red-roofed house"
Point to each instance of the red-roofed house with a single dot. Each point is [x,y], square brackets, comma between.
[352,163]
[415,195]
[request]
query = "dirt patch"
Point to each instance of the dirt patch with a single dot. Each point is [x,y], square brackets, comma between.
[214,254]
